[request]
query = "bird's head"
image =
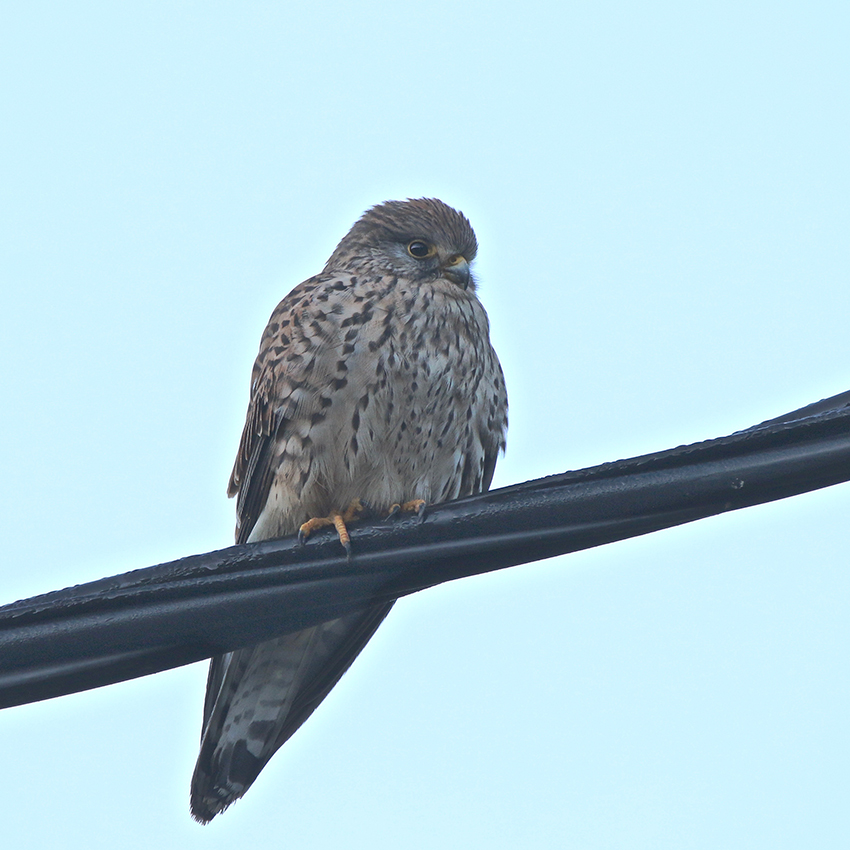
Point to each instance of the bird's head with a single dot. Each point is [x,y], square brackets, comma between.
[421,240]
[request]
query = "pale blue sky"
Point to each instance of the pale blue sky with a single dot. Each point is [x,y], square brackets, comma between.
[662,196]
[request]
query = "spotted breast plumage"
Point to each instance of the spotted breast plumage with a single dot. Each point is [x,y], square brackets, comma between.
[375,381]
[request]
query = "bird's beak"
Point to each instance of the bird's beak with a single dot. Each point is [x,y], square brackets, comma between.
[456,269]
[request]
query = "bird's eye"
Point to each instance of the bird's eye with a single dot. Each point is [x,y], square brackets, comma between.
[420,250]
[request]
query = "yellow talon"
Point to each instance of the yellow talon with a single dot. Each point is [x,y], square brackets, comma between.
[337,520]
[413,506]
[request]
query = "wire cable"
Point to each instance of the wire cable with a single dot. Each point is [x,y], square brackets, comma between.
[183,611]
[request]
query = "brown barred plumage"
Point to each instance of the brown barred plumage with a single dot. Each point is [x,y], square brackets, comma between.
[375,380]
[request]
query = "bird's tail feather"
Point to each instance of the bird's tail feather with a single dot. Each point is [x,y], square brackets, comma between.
[258,697]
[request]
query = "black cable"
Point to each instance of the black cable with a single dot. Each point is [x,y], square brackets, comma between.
[186,610]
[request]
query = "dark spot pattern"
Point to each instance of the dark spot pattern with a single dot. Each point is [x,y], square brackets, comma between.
[376,380]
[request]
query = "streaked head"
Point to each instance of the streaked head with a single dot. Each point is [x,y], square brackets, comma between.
[422,239]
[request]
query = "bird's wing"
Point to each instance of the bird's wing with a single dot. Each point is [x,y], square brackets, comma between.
[480,461]
[257,697]
[286,361]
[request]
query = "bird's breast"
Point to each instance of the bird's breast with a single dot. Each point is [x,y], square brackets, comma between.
[411,400]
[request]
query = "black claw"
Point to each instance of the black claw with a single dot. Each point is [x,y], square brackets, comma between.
[423,509]
[347,547]
[302,537]
[394,512]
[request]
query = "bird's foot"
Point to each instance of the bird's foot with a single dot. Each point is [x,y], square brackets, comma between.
[338,520]
[414,506]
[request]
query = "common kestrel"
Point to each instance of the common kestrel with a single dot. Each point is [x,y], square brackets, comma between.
[375,380]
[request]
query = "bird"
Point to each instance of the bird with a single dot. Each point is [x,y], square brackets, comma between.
[375,384]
